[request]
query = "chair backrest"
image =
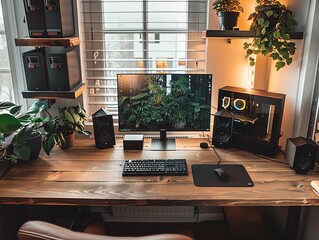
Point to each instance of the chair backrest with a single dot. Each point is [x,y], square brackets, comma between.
[39,230]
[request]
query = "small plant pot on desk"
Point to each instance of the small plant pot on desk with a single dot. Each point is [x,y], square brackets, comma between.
[34,143]
[69,141]
[228,20]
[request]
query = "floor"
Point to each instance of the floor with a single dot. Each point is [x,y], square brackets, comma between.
[241,223]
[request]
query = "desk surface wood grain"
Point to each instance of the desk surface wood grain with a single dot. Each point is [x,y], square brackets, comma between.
[84,175]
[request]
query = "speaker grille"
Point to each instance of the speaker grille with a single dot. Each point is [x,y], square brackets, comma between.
[104,134]
[222,133]
[103,129]
[223,129]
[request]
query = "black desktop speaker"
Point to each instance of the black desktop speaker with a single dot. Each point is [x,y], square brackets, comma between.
[35,70]
[59,18]
[103,129]
[301,154]
[63,68]
[34,10]
[223,129]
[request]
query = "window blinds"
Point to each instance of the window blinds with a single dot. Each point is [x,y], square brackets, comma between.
[139,36]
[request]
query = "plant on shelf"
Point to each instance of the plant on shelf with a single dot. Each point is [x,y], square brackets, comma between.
[228,12]
[20,138]
[271,23]
[61,129]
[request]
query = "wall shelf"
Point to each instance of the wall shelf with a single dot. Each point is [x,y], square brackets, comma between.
[241,34]
[72,94]
[48,42]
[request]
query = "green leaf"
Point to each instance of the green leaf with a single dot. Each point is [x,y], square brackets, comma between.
[269,13]
[285,36]
[48,143]
[252,63]
[68,116]
[280,65]
[15,110]
[22,135]
[122,100]
[263,31]
[289,61]
[249,51]
[274,56]
[139,96]
[8,123]
[6,105]
[22,151]
[266,24]
[35,108]
[260,21]
[276,34]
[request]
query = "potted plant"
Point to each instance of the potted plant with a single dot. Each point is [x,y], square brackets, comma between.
[271,23]
[20,138]
[228,12]
[61,129]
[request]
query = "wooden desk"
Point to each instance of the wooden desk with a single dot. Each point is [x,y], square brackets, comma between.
[85,175]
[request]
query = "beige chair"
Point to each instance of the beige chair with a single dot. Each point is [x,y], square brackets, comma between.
[39,230]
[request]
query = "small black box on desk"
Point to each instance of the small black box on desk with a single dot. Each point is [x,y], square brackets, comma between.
[133,142]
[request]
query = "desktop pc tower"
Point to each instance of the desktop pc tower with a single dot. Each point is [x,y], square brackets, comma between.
[35,70]
[63,68]
[257,117]
[59,18]
[34,10]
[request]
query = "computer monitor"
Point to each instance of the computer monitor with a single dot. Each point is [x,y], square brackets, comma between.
[164,102]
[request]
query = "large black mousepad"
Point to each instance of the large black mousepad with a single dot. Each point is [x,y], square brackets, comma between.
[205,176]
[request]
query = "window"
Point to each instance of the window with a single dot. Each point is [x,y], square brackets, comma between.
[6,89]
[139,36]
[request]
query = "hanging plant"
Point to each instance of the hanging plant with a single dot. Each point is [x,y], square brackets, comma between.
[271,23]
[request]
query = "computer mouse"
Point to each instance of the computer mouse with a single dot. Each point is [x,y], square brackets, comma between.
[203,145]
[221,173]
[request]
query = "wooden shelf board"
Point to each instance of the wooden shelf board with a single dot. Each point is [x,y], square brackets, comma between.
[242,34]
[72,94]
[47,42]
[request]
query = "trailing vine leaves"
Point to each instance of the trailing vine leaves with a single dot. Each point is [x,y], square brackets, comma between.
[271,23]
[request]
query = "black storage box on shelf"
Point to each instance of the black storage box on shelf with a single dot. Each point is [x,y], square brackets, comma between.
[59,18]
[257,117]
[34,10]
[63,68]
[35,70]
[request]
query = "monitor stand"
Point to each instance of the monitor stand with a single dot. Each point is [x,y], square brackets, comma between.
[163,144]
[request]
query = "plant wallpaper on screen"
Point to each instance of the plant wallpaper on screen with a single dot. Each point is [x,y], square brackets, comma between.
[160,103]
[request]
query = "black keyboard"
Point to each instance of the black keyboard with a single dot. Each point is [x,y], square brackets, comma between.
[155,167]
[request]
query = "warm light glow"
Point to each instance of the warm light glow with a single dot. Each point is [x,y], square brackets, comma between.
[161,64]
[251,75]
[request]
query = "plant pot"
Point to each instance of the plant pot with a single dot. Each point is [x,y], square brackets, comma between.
[69,141]
[35,145]
[228,20]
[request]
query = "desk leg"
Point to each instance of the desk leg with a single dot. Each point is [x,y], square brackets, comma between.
[292,224]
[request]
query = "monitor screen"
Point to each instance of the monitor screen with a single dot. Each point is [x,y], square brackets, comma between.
[164,102]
